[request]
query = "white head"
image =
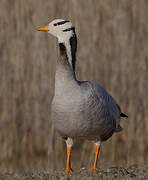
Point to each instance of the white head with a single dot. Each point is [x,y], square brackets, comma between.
[59,28]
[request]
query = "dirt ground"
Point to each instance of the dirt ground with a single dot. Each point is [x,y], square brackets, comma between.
[133,172]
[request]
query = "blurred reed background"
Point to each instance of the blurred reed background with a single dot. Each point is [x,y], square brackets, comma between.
[112,51]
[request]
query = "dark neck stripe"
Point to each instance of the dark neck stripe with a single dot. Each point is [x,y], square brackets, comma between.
[73,45]
[69,29]
[64,56]
[60,23]
[62,48]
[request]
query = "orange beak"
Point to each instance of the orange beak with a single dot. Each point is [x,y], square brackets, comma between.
[44,28]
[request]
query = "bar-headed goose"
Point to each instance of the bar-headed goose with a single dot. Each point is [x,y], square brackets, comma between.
[80,109]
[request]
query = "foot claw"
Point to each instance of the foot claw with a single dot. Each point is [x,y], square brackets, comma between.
[68,170]
[93,169]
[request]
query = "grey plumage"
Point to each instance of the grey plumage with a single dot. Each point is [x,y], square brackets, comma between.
[85,110]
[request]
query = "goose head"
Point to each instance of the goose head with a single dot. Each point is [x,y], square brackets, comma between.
[62,29]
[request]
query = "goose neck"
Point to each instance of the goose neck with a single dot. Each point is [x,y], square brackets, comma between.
[68,55]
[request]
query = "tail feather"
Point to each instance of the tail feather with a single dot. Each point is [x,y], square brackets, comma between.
[123,115]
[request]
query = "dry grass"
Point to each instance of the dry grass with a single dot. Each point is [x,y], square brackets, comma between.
[112,51]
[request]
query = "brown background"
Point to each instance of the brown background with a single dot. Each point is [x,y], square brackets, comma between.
[112,51]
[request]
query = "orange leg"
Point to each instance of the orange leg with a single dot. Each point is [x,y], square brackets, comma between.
[97,150]
[68,168]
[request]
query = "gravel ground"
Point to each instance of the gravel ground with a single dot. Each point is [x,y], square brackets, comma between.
[133,172]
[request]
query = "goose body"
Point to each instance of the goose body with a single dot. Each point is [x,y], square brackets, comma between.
[84,110]
[80,109]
